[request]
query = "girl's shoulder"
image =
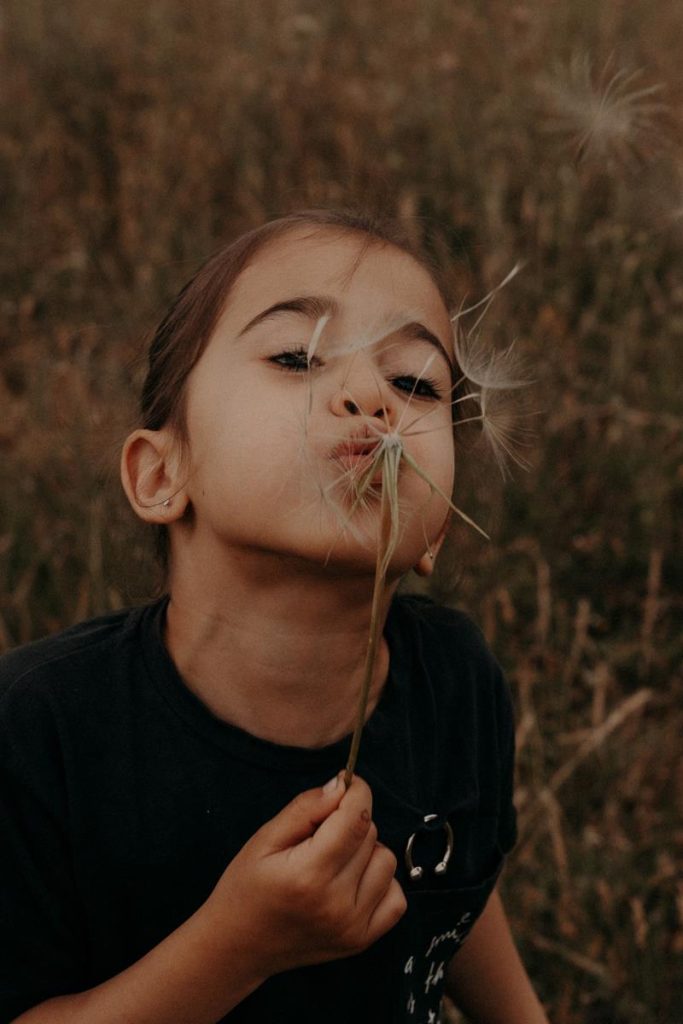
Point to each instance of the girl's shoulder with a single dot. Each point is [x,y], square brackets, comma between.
[442,628]
[445,649]
[63,658]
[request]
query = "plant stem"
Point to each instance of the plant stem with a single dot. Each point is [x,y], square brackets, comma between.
[376,622]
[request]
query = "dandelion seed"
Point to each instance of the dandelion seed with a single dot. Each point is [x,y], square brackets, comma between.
[480,363]
[487,367]
[315,337]
[373,332]
[610,120]
[311,350]
[502,430]
[488,298]
[437,490]
[419,377]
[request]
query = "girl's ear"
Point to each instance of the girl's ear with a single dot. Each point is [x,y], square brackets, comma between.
[425,565]
[150,474]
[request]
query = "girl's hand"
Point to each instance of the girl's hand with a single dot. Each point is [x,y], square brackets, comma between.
[313,884]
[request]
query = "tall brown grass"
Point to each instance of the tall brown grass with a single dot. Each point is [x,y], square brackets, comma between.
[136,137]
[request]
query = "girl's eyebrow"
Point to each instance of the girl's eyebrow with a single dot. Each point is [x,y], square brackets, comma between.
[316,306]
[311,306]
[415,331]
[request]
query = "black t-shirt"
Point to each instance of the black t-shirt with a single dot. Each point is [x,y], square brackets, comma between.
[123,798]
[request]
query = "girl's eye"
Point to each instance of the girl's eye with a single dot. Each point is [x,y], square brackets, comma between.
[420,387]
[295,360]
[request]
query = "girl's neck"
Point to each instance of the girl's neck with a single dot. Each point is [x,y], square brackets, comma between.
[277,650]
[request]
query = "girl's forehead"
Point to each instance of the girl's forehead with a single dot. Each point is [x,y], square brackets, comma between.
[363,276]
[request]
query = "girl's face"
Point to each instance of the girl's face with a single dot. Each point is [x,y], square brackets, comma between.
[274,443]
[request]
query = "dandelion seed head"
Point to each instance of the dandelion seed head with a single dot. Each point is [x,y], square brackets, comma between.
[392,440]
[487,374]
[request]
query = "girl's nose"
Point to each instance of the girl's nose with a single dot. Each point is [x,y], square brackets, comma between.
[349,407]
[363,394]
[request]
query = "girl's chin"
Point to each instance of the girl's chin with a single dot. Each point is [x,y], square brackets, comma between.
[357,558]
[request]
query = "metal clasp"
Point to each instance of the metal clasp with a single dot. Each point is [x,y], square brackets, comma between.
[414,870]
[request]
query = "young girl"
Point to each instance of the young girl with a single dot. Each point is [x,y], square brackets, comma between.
[178,844]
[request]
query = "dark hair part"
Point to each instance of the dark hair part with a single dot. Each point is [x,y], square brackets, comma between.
[184,332]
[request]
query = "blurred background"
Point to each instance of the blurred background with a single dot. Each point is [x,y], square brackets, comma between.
[136,137]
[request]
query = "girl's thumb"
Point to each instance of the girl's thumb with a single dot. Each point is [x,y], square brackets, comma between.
[300,818]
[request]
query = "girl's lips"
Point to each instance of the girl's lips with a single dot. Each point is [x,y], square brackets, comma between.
[354,448]
[355,453]
[357,456]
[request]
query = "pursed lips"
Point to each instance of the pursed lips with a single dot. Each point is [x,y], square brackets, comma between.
[356,448]
[357,452]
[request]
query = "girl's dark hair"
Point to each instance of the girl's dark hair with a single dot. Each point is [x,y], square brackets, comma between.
[184,332]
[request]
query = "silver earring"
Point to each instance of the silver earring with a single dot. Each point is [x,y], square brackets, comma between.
[166,503]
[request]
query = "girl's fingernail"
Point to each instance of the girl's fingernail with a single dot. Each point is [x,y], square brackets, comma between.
[330,786]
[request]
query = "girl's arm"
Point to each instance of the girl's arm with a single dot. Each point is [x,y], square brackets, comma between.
[189,978]
[486,978]
[295,894]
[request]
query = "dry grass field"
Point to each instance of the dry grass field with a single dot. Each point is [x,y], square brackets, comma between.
[134,138]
